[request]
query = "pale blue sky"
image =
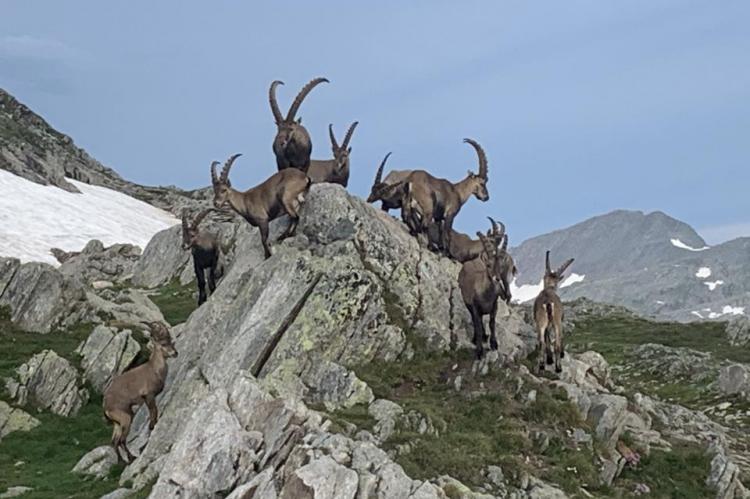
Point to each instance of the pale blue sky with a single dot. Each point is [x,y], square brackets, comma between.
[582,106]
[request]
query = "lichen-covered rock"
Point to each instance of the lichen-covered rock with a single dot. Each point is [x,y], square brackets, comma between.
[40,297]
[106,353]
[13,419]
[50,382]
[8,268]
[738,330]
[97,462]
[734,379]
[162,259]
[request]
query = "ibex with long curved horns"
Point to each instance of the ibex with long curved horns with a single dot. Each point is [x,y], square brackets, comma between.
[390,191]
[292,145]
[205,250]
[481,284]
[336,170]
[430,199]
[282,193]
[548,314]
[140,385]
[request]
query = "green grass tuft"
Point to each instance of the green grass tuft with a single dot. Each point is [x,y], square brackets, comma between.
[175,301]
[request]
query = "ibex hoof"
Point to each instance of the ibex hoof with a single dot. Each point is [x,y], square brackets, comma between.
[493,344]
[558,369]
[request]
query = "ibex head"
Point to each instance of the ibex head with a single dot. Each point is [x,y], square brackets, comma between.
[479,180]
[221,183]
[341,152]
[377,185]
[190,231]
[160,338]
[288,127]
[553,279]
[492,254]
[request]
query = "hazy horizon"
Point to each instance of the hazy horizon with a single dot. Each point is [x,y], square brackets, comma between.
[582,108]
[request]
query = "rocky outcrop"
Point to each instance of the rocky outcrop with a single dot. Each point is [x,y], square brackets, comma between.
[48,381]
[738,330]
[106,353]
[39,297]
[734,379]
[13,419]
[97,263]
[97,462]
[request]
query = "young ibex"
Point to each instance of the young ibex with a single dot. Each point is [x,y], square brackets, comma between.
[389,192]
[436,200]
[548,314]
[292,145]
[283,192]
[481,284]
[336,170]
[206,253]
[137,386]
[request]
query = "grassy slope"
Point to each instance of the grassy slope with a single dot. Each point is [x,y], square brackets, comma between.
[176,301]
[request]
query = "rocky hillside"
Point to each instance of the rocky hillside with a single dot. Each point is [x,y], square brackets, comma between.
[651,263]
[338,368]
[32,149]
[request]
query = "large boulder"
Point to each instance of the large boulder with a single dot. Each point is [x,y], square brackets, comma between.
[97,462]
[39,296]
[13,419]
[48,381]
[738,330]
[162,259]
[106,353]
[734,379]
[97,263]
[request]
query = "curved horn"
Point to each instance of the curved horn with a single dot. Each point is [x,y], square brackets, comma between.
[546,261]
[482,157]
[498,228]
[564,266]
[301,96]
[274,104]
[334,144]
[214,178]
[228,166]
[379,174]
[349,134]
[504,246]
[199,218]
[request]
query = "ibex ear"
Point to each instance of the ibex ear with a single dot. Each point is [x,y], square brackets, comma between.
[349,150]
[299,120]
[469,173]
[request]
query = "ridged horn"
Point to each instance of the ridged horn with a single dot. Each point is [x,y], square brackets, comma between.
[301,96]
[214,178]
[274,104]
[482,157]
[334,144]
[504,246]
[228,166]
[379,174]
[564,267]
[199,218]
[546,261]
[349,134]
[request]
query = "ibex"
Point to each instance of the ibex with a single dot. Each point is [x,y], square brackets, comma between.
[292,145]
[435,200]
[336,170]
[282,193]
[139,385]
[548,314]
[389,192]
[206,253]
[481,284]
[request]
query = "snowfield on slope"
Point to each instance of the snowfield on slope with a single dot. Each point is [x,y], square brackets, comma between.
[679,244]
[35,218]
[528,292]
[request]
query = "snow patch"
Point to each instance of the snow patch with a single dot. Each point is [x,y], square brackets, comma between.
[697,314]
[659,302]
[726,310]
[572,279]
[525,292]
[35,218]
[703,273]
[729,310]
[713,285]
[681,245]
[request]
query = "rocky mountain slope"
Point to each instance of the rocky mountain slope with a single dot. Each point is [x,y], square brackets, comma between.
[651,263]
[339,368]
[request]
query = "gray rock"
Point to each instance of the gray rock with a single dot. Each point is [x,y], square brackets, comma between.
[97,462]
[12,419]
[97,263]
[50,382]
[724,476]
[8,268]
[40,297]
[163,259]
[322,478]
[738,330]
[734,379]
[15,491]
[129,306]
[262,486]
[608,415]
[106,353]
[121,493]
[386,413]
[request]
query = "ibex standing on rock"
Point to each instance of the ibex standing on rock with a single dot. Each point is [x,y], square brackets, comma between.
[336,170]
[481,284]
[282,193]
[292,145]
[548,314]
[389,192]
[435,200]
[206,253]
[138,386]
